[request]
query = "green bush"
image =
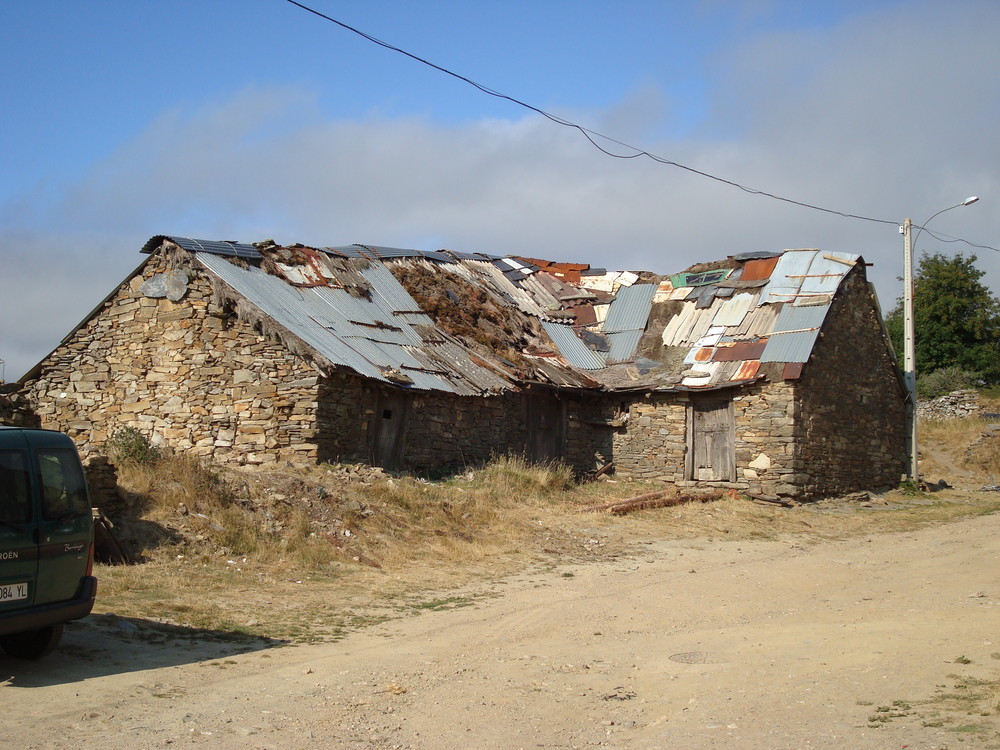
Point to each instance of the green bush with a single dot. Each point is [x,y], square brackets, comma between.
[946,380]
[128,445]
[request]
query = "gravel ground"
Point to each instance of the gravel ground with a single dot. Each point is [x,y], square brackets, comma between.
[873,642]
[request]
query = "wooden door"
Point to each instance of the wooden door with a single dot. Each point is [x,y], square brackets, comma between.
[388,429]
[545,420]
[711,437]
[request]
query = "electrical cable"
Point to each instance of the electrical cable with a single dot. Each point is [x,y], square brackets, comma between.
[948,238]
[591,135]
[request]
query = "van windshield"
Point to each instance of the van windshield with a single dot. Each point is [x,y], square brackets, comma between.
[64,490]
[15,502]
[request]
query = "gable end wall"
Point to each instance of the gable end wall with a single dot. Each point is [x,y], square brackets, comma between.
[187,374]
[851,409]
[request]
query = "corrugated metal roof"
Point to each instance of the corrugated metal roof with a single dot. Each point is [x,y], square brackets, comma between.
[356,314]
[794,334]
[630,309]
[732,311]
[392,297]
[678,328]
[623,345]
[387,253]
[346,251]
[288,307]
[459,255]
[358,334]
[786,278]
[826,273]
[230,249]
[759,269]
[806,272]
[573,349]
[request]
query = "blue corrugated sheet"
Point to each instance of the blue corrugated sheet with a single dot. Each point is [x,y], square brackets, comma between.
[787,276]
[577,353]
[826,274]
[801,273]
[794,347]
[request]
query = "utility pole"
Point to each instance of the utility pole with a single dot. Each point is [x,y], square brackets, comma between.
[909,353]
[909,342]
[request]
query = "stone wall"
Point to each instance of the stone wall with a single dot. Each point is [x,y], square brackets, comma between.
[954,405]
[851,406]
[16,410]
[444,430]
[189,374]
[765,446]
[653,443]
[345,404]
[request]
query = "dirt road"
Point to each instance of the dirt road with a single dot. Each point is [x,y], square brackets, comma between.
[866,643]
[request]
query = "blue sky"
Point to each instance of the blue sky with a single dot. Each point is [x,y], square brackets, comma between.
[247,120]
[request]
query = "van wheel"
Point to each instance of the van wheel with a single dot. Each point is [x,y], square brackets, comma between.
[33,644]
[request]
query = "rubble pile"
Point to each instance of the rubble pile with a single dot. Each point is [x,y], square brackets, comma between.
[954,405]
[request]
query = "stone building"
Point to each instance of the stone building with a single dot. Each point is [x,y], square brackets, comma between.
[770,372]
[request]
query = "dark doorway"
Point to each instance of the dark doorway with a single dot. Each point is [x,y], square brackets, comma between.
[711,439]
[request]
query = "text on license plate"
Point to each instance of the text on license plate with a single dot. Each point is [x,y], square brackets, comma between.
[10,592]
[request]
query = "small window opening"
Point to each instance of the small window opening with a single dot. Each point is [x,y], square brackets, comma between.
[387,414]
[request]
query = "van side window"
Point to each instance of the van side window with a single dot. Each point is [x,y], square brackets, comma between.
[64,490]
[15,502]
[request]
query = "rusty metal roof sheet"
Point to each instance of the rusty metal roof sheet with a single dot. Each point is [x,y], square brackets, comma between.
[759,268]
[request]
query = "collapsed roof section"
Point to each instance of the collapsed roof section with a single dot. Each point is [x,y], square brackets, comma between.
[475,323]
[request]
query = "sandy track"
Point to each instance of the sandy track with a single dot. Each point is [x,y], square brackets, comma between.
[690,645]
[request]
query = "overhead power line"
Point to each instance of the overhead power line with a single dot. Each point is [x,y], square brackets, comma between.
[593,136]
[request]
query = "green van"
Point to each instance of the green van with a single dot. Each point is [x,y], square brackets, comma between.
[46,540]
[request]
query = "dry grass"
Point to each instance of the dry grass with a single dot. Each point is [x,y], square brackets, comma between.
[304,555]
[959,448]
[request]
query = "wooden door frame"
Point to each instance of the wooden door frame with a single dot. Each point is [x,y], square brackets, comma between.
[689,467]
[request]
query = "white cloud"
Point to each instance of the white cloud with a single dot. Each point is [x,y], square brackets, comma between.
[889,114]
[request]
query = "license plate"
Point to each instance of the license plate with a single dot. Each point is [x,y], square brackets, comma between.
[11,592]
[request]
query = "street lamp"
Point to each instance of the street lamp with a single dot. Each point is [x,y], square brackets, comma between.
[909,346]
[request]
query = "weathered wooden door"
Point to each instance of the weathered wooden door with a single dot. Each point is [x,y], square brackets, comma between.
[544,419]
[711,437]
[389,429]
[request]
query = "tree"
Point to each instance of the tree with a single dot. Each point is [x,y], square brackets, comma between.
[955,318]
